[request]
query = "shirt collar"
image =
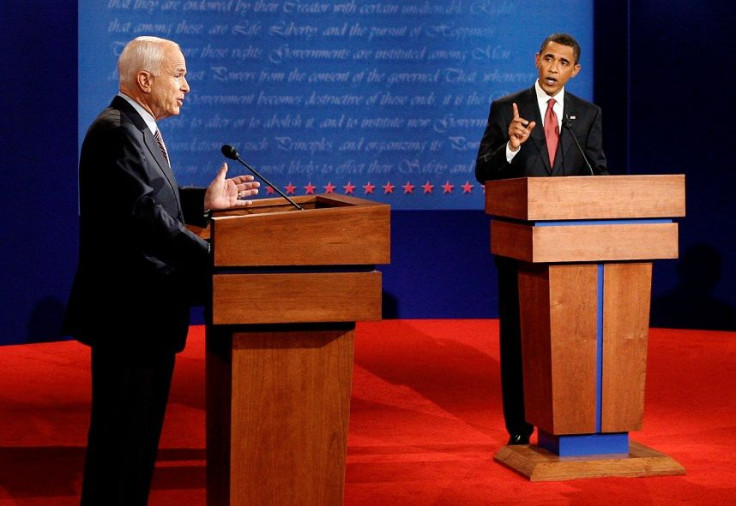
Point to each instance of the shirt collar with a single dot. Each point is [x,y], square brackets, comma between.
[542,96]
[147,116]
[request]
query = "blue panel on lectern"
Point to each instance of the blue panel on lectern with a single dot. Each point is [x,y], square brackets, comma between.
[580,445]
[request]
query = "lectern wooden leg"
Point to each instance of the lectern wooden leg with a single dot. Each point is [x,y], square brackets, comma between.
[558,326]
[277,414]
[625,339]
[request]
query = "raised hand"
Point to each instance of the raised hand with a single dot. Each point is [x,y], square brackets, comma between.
[519,129]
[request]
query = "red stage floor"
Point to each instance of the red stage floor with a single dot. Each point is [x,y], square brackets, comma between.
[425,422]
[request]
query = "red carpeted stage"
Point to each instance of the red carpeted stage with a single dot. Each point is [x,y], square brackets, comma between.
[425,422]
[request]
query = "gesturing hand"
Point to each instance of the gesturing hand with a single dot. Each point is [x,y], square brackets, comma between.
[519,129]
[226,193]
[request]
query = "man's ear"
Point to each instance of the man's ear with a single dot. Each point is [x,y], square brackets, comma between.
[144,81]
[575,69]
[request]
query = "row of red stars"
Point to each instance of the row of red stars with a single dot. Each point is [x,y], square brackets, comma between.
[369,189]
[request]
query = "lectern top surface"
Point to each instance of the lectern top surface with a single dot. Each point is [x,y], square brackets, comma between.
[308,202]
[587,197]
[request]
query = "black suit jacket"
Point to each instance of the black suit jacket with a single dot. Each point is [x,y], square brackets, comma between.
[533,160]
[139,266]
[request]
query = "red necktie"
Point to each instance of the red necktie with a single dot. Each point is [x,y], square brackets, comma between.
[551,131]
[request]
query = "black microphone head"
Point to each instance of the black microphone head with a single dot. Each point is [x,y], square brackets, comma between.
[565,122]
[230,152]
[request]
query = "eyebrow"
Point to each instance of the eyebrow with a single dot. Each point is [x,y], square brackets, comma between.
[552,55]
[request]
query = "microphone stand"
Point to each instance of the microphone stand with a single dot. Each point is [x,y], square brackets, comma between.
[232,154]
[567,123]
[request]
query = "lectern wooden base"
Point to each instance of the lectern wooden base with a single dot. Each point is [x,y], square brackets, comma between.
[538,464]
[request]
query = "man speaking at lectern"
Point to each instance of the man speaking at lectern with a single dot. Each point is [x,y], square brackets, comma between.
[539,131]
[139,269]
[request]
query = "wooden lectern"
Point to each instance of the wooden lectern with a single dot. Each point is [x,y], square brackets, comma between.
[585,247]
[287,289]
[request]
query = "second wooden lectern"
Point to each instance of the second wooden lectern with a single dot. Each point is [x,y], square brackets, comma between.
[585,247]
[287,289]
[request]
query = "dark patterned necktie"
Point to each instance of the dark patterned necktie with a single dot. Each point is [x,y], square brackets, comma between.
[551,131]
[160,141]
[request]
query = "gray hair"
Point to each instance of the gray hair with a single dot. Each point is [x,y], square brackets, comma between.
[141,53]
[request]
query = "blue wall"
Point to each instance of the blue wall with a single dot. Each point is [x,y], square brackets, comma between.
[38,232]
[681,109]
[654,65]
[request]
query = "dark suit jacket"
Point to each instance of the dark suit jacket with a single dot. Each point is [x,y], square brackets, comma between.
[533,160]
[139,266]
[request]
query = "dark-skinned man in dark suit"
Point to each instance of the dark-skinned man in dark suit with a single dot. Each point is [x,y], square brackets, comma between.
[517,144]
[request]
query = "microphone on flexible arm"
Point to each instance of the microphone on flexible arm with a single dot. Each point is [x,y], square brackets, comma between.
[232,153]
[568,124]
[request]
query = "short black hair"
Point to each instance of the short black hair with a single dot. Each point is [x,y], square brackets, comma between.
[565,40]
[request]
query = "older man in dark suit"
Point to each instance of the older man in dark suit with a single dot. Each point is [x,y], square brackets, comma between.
[530,133]
[140,268]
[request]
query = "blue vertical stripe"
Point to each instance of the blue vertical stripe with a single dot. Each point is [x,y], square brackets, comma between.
[599,357]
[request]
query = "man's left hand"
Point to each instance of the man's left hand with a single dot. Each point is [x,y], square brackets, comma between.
[225,193]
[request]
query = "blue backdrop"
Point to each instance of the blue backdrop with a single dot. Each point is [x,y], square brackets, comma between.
[384,100]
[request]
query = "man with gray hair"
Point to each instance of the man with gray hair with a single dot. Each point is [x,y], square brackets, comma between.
[140,268]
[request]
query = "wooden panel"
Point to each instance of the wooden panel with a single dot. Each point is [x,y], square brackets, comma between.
[573,315]
[290,410]
[538,464]
[513,240]
[296,297]
[337,231]
[584,243]
[585,197]
[534,302]
[508,198]
[627,289]
[558,305]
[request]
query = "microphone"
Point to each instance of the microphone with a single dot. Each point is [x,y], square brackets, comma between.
[232,153]
[568,124]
